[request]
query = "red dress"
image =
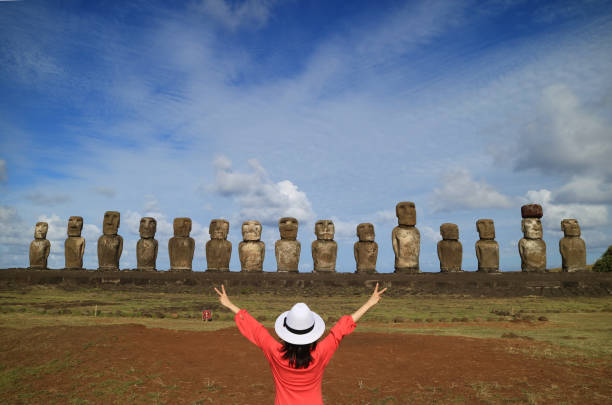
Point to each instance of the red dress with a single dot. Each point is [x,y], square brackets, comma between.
[295,386]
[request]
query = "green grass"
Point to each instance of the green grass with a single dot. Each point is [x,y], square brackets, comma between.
[582,324]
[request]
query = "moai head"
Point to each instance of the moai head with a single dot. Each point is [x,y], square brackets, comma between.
[75,226]
[324,229]
[218,229]
[288,228]
[40,231]
[110,226]
[148,226]
[182,227]
[365,232]
[532,228]
[570,227]
[251,230]
[449,231]
[486,228]
[406,213]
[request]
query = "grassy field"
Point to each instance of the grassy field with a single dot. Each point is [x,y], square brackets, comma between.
[582,323]
[567,333]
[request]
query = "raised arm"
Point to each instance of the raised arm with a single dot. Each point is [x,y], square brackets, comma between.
[225,301]
[373,300]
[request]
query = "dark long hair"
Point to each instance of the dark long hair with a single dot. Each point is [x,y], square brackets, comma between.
[298,355]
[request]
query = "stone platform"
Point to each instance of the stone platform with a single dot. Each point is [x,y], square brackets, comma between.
[475,284]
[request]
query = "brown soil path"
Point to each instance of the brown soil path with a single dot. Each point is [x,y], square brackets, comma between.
[132,364]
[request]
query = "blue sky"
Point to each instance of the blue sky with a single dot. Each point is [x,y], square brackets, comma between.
[319,110]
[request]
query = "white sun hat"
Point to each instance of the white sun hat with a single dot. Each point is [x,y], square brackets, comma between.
[299,325]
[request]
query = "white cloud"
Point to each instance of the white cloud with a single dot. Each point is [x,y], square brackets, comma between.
[259,197]
[429,233]
[584,189]
[46,198]
[460,191]
[385,216]
[588,215]
[344,230]
[3,175]
[233,15]
[566,137]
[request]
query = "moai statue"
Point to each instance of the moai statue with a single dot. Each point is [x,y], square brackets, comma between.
[40,247]
[146,248]
[366,250]
[74,247]
[218,248]
[110,245]
[450,251]
[325,248]
[487,249]
[406,239]
[287,249]
[531,247]
[572,247]
[181,247]
[251,250]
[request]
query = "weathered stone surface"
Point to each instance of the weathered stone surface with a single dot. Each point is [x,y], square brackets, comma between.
[251,250]
[287,249]
[532,248]
[181,246]
[532,211]
[218,248]
[365,250]
[406,213]
[40,247]
[572,247]
[110,245]
[450,251]
[406,239]
[324,249]
[487,249]
[147,246]
[74,246]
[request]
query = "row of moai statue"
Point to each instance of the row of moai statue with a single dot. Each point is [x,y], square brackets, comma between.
[406,242]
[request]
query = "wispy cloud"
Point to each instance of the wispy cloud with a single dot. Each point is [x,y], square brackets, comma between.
[242,14]
[47,198]
[3,173]
[109,192]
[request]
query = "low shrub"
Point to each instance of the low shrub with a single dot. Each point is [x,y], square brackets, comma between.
[604,263]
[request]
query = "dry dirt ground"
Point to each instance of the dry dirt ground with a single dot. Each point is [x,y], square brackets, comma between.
[133,364]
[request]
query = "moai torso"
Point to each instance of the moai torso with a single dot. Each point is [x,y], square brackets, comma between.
[74,247]
[218,248]
[251,250]
[287,249]
[572,247]
[110,245]
[487,249]
[181,247]
[40,247]
[146,247]
[450,251]
[324,249]
[406,239]
[365,250]
[531,247]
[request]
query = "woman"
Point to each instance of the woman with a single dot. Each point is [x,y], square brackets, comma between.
[297,362]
